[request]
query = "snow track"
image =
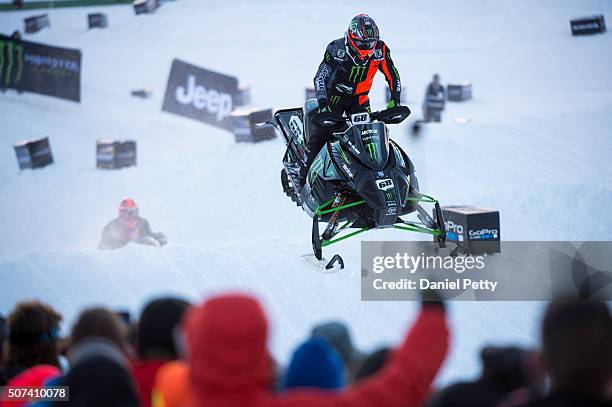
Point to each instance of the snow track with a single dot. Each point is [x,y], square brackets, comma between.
[536,147]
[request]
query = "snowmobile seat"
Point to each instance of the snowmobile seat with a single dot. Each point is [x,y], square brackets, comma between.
[310,105]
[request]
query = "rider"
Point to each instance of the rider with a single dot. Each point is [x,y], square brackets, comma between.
[129,227]
[345,76]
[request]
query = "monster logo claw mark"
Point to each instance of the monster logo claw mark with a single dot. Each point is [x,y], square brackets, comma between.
[356,74]
[19,50]
[371,147]
[9,66]
[11,50]
[334,99]
[2,45]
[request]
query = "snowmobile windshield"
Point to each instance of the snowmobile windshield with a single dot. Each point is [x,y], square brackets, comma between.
[369,142]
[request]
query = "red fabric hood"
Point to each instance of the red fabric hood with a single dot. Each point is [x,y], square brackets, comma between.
[227,347]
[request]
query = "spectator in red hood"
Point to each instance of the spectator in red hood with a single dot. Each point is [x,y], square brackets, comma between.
[155,342]
[229,363]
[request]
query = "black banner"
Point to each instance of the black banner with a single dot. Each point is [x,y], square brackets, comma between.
[200,94]
[30,67]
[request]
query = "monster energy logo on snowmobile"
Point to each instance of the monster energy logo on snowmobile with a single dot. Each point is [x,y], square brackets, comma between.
[371,147]
[316,166]
[356,74]
[334,99]
[7,66]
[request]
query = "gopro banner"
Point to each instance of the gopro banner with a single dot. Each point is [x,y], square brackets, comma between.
[200,94]
[523,271]
[31,67]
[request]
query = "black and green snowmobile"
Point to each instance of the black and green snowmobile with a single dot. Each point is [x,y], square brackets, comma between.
[361,180]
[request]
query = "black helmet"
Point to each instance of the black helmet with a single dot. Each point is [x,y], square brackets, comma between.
[362,36]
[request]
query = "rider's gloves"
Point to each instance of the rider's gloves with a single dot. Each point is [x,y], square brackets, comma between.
[392,103]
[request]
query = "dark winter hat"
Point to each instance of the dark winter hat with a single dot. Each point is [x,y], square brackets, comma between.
[156,327]
[99,381]
[504,366]
[373,363]
[315,364]
[337,334]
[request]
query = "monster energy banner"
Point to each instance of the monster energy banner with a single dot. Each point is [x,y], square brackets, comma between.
[30,67]
[200,94]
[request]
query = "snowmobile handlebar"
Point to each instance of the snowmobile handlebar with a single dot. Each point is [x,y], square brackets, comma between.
[392,115]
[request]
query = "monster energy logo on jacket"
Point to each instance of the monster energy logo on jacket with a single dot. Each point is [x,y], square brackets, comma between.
[372,150]
[32,67]
[357,72]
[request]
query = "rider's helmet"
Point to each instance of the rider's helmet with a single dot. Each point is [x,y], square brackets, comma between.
[128,212]
[361,37]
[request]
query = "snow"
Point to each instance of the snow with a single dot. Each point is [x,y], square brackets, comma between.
[535,145]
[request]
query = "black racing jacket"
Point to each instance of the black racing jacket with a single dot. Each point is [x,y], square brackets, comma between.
[339,77]
[117,234]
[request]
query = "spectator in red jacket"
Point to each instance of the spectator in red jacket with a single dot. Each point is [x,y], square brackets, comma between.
[155,340]
[229,363]
[35,376]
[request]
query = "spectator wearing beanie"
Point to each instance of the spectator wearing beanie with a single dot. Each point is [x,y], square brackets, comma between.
[229,363]
[33,338]
[155,342]
[577,353]
[338,335]
[315,364]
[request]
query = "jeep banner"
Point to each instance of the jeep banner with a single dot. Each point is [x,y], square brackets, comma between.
[31,67]
[200,94]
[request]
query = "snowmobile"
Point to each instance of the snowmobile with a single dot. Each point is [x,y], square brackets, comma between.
[359,181]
